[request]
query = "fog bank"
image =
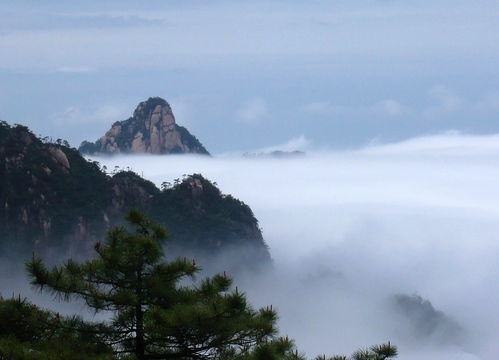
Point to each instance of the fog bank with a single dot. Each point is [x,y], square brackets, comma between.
[348,230]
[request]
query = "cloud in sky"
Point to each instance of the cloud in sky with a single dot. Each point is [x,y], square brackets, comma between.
[490,101]
[107,114]
[252,111]
[181,109]
[323,108]
[446,101]
[55,20]
[387,107]
[439,101]
[75,69]
[390,107]
[227,32]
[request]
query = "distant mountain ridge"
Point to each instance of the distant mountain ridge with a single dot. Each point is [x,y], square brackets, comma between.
[152,129]
[53,198]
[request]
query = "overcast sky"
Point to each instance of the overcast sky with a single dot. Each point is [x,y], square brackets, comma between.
[253,74]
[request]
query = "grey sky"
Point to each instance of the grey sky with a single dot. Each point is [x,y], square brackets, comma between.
[339,73]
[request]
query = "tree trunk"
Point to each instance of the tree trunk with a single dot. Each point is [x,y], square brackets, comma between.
[140,347]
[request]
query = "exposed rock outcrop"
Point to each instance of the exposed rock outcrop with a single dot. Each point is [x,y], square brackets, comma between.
[59,156]
[152,129]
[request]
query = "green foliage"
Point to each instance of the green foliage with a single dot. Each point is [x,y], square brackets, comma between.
[30,333]
[87,147]
[205,219]
[190,141]
[277,349]
[154,312]
[40,195]
[376,352]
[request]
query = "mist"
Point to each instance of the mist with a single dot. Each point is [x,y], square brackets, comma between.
[349,230]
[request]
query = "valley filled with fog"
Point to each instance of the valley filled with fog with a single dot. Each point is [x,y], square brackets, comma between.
[376,222]
[348,231]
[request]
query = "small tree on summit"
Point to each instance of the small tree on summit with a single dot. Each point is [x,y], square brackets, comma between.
[153,316]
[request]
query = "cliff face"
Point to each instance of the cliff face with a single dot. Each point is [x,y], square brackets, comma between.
[47,191]
[51,198]
[151,129]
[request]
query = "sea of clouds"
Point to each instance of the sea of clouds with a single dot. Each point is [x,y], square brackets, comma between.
[348,230]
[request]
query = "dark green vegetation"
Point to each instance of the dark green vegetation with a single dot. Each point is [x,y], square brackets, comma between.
[30,333]
[154,312]
[52,198]
[46,190]
[151,129]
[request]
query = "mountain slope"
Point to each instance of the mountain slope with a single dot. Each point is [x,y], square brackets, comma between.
[51,198]
[152,129]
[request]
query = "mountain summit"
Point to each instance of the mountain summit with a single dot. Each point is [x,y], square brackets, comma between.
[151,129]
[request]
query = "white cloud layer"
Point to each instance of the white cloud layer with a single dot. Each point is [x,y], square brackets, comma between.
[348,229]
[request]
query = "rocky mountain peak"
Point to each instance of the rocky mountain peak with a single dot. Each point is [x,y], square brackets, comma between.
[152,129]
[152,105]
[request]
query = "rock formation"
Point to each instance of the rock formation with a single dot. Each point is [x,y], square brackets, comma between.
[151,129]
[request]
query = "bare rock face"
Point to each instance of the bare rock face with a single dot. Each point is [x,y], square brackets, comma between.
[59,156]
[151,129]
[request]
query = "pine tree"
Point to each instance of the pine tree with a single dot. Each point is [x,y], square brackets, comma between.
[156,309]
[30,333]
[376,352]
[154,312]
